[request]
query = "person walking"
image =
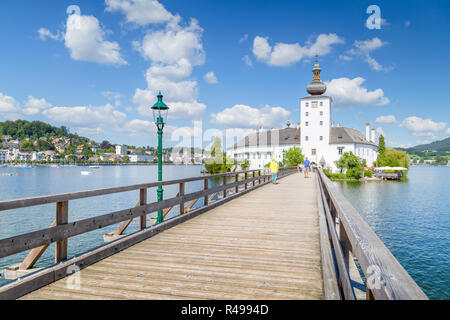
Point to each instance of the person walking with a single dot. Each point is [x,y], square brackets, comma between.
[307,165]
[273,166]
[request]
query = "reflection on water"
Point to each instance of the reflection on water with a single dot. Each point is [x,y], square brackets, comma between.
[413,220]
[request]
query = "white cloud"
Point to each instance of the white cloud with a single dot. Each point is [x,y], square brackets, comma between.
[447,132]
[386,119]
[86,116]
[173,53]
[141,12]
[407,23]
[35,105]
[243,38]
[174,43]
[283,54]
[210,77]
[45,33]
[9,107]
[363,50]
[248,61]
[86,40]
[345,91]
[8,104]
[247,117]
[139,127]
[423,127]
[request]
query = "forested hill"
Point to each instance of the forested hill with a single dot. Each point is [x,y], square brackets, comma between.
[441,145]
[36,129]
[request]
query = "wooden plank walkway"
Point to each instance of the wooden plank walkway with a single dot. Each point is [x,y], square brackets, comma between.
[263,245]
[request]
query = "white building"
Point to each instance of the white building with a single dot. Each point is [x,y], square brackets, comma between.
[121,150]
[316,135]
[141,157]
[4,155]
[37,156]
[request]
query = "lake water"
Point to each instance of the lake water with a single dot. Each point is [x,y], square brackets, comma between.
[46,181]
[413,220]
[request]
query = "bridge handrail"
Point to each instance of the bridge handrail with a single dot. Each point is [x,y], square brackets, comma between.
[386,278]
[61,230]
[41,200]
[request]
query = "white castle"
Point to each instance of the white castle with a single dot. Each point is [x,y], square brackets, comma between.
[317,136]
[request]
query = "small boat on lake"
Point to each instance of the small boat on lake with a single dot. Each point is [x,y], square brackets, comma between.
[86,173]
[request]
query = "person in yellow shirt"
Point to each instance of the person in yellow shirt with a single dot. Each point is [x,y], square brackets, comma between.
[273,166]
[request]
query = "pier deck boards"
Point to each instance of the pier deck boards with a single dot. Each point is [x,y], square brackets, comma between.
[262,245]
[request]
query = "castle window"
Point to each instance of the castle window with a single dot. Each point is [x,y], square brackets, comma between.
[307,104]
[307,113]
[306,123]
[313,152]
[321,103]
[321,123]
[321,113]
[321,138]
[340,150]
[314,104]
[306,138]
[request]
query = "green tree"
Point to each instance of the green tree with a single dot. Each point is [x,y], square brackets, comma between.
[27,145]
[218,163]
[394,158]
[126,159]
[352,164]
[381,150]
[294,156]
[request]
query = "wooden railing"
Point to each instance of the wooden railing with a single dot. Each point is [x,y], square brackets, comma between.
[60,231]
[343,231]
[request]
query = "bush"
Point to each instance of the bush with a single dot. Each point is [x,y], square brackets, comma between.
[354,173]
[368,173]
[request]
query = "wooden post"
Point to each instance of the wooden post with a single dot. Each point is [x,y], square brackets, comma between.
[369,294]
[253,177]
[237,187]
[225,190]
[181,193]
[259,176]
[142,201]
[62,217]
[205,187]
[246,177]
[345,244]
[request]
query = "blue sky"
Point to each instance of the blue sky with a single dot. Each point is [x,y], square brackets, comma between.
[232,65]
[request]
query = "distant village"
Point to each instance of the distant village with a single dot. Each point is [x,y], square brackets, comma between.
[71,150]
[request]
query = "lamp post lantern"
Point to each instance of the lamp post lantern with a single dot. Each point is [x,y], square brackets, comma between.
[160,111]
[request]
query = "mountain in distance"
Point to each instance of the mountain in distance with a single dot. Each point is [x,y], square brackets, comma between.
[441,145]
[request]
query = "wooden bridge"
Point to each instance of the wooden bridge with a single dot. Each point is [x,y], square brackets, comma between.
[298,239]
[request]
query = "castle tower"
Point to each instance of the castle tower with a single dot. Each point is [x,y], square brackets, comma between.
[315,115]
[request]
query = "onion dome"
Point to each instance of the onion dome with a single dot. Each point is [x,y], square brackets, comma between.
[316,87]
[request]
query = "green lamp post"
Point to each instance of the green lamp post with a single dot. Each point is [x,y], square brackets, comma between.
[160,111]
[284,158]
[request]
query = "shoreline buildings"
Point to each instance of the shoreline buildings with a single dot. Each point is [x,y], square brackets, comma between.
[317,136]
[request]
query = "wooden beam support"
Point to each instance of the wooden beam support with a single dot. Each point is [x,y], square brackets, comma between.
[205,187]
[142,201]
[34,255]
[181,194]
[62,217]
